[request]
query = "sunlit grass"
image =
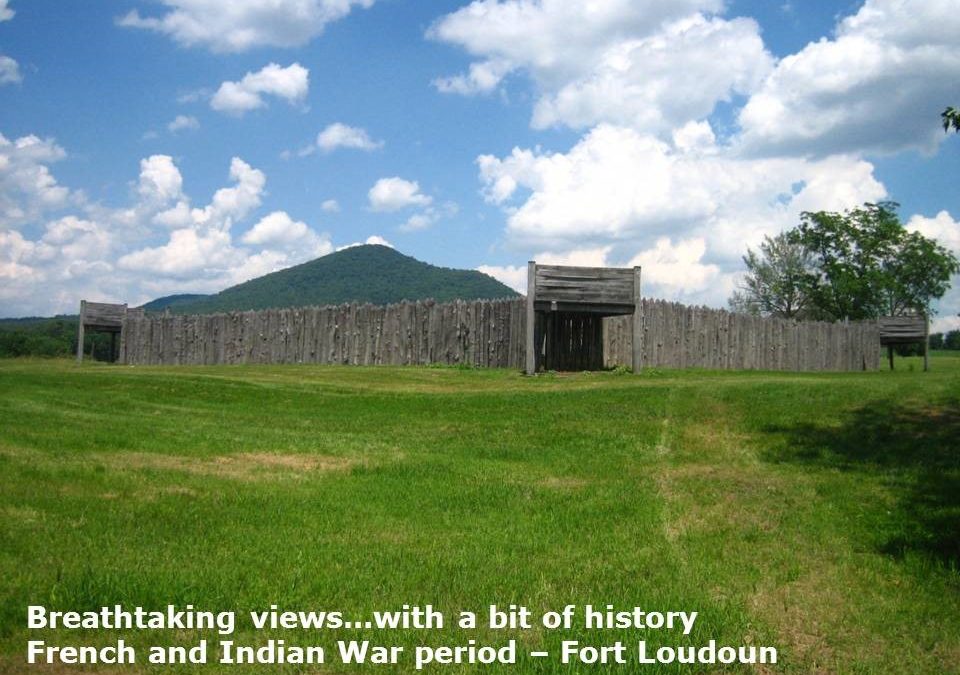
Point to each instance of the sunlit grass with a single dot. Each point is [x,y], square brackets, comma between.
[813,512]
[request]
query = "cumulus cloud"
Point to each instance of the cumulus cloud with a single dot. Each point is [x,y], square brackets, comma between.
[279,231]
[183,123]
[28,189]
[677,269]
[201,250]
[5,12]
[330,206]
[879,85]
[340,135]
[240,25]
[429,217]
[119,254]
[395,193]
[236,98]
[656,82]
[687,208]
[653,65]
[9,71]
[946,231]
[942,227]
[160,180]
[513,276]
[482,78]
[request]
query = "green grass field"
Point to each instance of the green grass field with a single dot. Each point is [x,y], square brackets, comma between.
[816,513]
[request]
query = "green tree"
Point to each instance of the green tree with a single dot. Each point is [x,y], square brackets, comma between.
[952,340]
[936,340]
[867,265]
[774,282]
[951,119]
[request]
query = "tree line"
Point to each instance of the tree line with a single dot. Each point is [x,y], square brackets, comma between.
[54,337]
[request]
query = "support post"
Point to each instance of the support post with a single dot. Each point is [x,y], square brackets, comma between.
[83,307]
[637,322]
[531,359]
[926,344]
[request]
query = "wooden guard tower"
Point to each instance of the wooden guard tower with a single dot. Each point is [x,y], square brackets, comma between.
[102,317]
[905,330]
[565,311]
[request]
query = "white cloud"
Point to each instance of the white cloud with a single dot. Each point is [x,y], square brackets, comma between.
[290,84]
[160,180]
[942,227]
[659,81]
[116,254]
[28,189]
[514,277]
[622,196]
[78,239]
[879,85]
[330,206]
[240,25]
[676,269]
[279,231]
[188,254]
[946,231]
[653,65]
[556,38]
[232,204]
[482,78]
[9,71]
[617,184]
[429,217]
[339,135]
[5,12]
[183,122]
[377,240]
[581,257]
[374,239]
[393,194]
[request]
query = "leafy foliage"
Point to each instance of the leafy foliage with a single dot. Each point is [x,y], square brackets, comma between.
[774,284]
[868,265]
[371,273]
[859,264]
[949,340]
[56,337]
[951,119]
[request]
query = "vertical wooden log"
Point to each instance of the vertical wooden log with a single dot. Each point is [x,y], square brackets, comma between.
[531,357]
[83,311]
[926,344]
[638,336]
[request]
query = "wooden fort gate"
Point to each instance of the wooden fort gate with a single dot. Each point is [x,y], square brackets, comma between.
[102,317]
[565,311]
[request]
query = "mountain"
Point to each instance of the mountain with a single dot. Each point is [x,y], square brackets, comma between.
[371,273]
[172,301]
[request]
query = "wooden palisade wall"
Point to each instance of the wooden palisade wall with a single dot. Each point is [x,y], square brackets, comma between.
[487,333]
[677,336]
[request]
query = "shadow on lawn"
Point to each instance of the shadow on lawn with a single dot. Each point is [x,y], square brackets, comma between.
[916,446]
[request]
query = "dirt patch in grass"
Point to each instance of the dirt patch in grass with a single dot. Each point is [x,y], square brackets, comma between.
[248,466]
[711,497]
[796,611]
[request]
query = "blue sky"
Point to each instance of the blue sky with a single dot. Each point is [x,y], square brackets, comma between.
[159,146]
